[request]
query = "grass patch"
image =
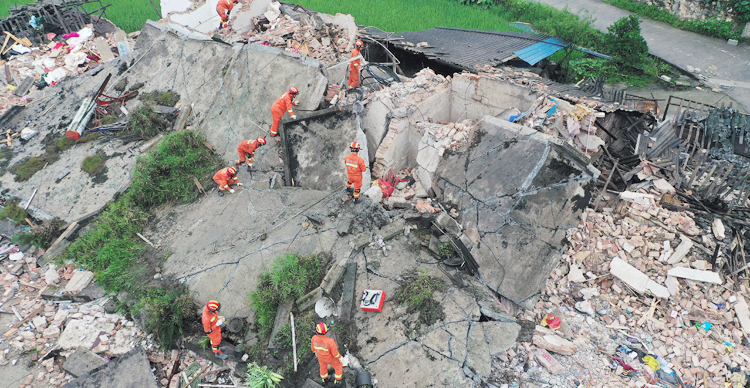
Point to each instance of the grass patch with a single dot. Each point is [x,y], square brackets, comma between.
[26,168]
[60,144]
[129,15]
[289,278]
[146,123]
[113,251]
[163,98]
[723,29]
[416,293]
[304,328]
[93,164]
[14,212]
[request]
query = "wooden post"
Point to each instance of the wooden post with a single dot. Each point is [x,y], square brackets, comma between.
[294,341]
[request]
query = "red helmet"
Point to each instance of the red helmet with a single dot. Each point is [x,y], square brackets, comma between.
[321,328]
[293,90]
[354,146]
[261,140]
[213,305]
[231,170]
[359,43]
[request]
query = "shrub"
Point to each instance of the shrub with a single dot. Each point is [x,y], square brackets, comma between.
[167,312]
[416,293]
[14,212]
[261,377]
[625,43]
[146,123]
[93,164]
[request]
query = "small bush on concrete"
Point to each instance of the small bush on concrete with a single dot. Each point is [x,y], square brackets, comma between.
[146,123]
[112,250]
[289,278]
[416,293]
[60,144]
[93,164]
[14,212]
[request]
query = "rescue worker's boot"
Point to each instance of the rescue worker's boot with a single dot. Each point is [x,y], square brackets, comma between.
[349,190]
[356,200]
[221,356]
[251,168]
[221,193]
[337,383]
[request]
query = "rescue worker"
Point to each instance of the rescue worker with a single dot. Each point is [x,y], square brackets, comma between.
[212,326]
[354,65]
[328,354]
[225,178]
[355,166]
[246,149]
[224,8]
[283,104]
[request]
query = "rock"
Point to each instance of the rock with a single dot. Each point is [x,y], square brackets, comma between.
[718,228]
[51,332]
[401,185]
[78,282]
[743,313]
[690,69]
[82,361]
[548,361]
[16,256]
[554,343]
[575,274]
[672,285]
[584,307]
[157,276]
[39,322]
[27,133]
[374,193]
[51,276]
[394,202]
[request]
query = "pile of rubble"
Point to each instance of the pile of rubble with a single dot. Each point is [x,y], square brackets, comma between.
[48,64]
[640,304]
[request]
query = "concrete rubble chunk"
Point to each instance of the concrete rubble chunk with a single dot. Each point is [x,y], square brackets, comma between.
[681,250]
[743,313]
[548,361]
[128,371]
[629,274]
[718,228]
[695,274]
[663,186]
[673,286]
[79,332]
[79,281]
[575,274]
[82,361]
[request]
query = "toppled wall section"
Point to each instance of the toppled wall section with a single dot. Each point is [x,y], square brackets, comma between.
[522,192]
[317,148]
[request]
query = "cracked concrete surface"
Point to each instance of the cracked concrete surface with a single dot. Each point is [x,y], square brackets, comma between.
[522,191]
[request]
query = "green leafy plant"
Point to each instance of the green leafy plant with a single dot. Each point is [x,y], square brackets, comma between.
[205,343]
[417,294]
[261,377]
[93,164]
[446,250]
[289,278]
[625,42]
[14,212]
[146,123]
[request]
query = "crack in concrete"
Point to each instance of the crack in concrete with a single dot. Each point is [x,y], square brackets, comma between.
[393,349]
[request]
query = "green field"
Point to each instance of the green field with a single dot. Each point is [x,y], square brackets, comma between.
[130,15]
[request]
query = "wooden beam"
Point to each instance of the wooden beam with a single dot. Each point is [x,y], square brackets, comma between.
[15,327]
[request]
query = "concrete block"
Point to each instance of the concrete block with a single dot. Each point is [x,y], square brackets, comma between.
[82,361]
[282,318]
[130,370]
[348,298]
[79,281]
[682,250]
[694,274]
[629,274]
[78,332]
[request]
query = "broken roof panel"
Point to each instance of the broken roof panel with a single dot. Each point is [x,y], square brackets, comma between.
[460,48]
[538,51]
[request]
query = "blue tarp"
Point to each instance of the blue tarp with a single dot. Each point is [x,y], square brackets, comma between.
[537,52]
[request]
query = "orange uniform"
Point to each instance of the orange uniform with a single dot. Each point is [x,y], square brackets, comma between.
[355,166]
[246,149]
[354,70]
[223,8]
[328,354]
[224,178]
[282,104]
[213,331]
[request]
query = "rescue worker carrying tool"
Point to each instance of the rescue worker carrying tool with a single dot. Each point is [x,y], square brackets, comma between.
[225,178]
[224,8]
[212,326]
[246,149]
[328,354]
[355,166]
[283,104]
[354,65]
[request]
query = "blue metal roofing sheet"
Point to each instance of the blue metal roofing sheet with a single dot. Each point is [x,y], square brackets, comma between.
[536,52]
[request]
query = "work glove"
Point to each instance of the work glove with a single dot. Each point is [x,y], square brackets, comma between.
[295,103]
[294,117]
[231,191]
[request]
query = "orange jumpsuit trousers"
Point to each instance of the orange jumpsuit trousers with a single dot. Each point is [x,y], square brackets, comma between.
[212,330]
[355,166]
[328,354]
[354,70]
[246,149]
[223,8]
[282,104]
[224,179]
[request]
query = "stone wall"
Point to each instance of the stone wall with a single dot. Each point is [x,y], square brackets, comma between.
[694,9]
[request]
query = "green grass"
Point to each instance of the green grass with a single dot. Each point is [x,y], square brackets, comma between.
[14,212]
[416,293]
[92,164]
[289,278]
[114,253]
[26,168]
[130,15]
[146,123]
[713,27]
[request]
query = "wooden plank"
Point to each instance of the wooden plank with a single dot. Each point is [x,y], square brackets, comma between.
[199,185]
[15,327]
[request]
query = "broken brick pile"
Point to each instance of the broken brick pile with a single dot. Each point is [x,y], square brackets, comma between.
[636,281]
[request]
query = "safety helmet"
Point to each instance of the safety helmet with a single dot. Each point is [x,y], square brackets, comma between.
[231,170]
[359,43]
[293,90]
[321,328]
[354,146]
[261,140]
[213,305]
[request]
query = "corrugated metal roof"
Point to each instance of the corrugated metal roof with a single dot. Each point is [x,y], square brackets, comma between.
[536,52]
[464,49]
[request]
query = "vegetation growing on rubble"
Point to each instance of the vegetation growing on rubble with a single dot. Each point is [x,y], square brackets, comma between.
[111,248]
[416,293]
[26,168]
[14,212]
[289,278]
[42,236]
[146,123]
[163,98]
[92,164]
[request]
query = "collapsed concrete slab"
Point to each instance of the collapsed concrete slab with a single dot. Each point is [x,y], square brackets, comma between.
[83,361]
[522,192]
[130,370]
